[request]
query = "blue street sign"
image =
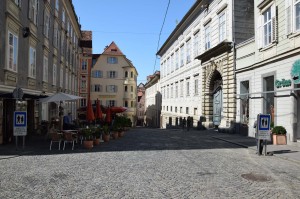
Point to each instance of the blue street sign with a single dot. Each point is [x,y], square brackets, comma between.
[20,119]
[264,122]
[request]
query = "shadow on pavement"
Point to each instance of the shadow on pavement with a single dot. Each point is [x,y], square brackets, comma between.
[137,139]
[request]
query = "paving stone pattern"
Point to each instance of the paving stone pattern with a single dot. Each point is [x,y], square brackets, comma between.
[150,163]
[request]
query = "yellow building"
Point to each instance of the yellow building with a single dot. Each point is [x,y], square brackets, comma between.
[114,81]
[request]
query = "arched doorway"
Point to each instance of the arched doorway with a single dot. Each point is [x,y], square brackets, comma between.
[215,88]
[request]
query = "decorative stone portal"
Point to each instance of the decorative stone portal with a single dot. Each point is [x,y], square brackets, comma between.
[218,102]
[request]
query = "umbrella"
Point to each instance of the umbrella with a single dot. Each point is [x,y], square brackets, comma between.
[89,112]
[117,109]
[60,97]
[108,115]
[98,114]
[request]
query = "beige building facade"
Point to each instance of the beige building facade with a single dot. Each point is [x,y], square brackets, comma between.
[114,81]
[268,68]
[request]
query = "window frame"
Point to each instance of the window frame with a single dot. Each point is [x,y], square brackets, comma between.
[45,68]
[12,52]
[32,62]
[207,41]
[222,26]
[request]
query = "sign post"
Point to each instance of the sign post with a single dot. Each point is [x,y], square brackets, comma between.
[263,128]
[20,125]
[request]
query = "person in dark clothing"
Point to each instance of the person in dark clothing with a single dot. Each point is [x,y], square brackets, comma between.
[188,124]
[67,125]
[183,123]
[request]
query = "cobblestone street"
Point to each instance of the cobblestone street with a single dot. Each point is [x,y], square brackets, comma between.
[150,163]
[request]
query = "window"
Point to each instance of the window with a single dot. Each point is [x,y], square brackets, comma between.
[131,88]
[18,3]
[63,15]
[188,51]
[171,91]
[97,74]
[12,54]
[268,98]
[83,82]
[207,37]
[45,69]
[83,102]
[244,103]
[112,74]
[171,63]
[267,31]
[132,104]
[175,109]
[61,75]
[111,89]
[110,102]
[267,27]
[196,87]
[196,44]
[57,5]
[176,59]
[297,15]
[292,16]
[180,109]
[33,11]
[187,88]
[32,62]
[222,27]
[176,90]
[126,73]
[54,74]
[187,110]
[195,111]
[56,35]
[97,88]
[181,89]
[46,23]
[125,88]
[112,60]
[126,103]
[84,65]
[131,74]
[67,80]
[181,56]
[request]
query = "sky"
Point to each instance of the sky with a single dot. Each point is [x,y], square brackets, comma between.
[134,25]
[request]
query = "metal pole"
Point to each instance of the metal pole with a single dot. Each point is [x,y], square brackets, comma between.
[23,141]
[265,142]
[16,142]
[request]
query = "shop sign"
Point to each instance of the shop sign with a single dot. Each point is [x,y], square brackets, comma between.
[295,72]
[283,83]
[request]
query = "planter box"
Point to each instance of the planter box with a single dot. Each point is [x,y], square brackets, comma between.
[279,139]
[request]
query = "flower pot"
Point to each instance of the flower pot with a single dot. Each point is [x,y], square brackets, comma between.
[279,139]
[96,141]
[88,144]
[105,137]
[121,133]
[115,135]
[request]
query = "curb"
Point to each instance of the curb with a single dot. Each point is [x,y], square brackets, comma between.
[244,146]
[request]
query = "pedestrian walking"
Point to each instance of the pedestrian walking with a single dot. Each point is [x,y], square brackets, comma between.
[188,124]
[183,123]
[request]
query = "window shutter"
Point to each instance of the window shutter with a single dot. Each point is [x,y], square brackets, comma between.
[116,88]
[288,16]
[274,23]
[100,87]
[259,33]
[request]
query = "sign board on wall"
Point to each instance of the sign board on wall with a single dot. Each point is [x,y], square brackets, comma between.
[295,72]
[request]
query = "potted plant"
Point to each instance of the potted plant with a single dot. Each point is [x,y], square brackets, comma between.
[88,138]
[97,135]
[115,130]
[279,135]
[106,133]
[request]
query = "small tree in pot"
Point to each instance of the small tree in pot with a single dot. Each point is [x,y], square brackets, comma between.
[88,138]
[97,135]
[279,135]
[106,133]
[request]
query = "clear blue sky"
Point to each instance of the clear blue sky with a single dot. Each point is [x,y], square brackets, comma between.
[134,25]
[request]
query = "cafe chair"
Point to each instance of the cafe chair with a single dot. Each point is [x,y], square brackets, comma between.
[68,138]
[55,137]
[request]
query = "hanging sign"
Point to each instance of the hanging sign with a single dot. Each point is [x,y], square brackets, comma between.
[295,72]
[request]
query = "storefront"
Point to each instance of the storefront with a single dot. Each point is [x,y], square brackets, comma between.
[273,88]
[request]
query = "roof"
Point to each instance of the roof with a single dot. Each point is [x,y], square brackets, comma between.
[112,49]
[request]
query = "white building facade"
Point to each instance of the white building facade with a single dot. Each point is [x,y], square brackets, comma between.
[197,63]
[153,100]
[268,68]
